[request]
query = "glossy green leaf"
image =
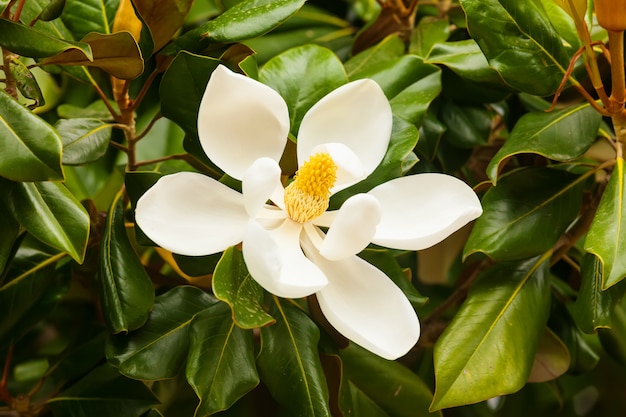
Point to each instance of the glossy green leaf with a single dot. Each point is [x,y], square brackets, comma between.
[25,80]
[163,18]
[49,212]
[126,292]
[361,404]
[34,146]
[526,213]
[285,72]
[466,59]
[52,11]
[233,284]
[118,54]
[612,339]
[519,42]
[551,360]
[221,366]
[386,50]
[593,307]
[489,347]
[289,362]
[182,88]
[561,135]
[467,126]
[393,387]
[396,162]
[607,235]
[100,12]
[84,140]
[429,32]
[139,354]
[30,42]
[103,393]
[28,297]
[249,19]
[412,102]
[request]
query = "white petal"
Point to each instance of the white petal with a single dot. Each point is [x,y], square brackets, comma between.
[275,260]
[260,183]
[353,228]
[192,214]
[422,210]
[356,114]
[350,169]
[364,305]
[241,120]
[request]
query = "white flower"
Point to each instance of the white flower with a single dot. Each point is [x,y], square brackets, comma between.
[243,127]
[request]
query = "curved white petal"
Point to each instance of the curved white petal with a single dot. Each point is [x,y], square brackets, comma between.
[364,305]
[275,260]
[353,228]
[422,210]
[241,120]
[191,214]
[350,170]
[356,114]
[260,183]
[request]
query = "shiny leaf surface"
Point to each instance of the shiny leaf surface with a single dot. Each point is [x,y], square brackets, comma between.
[84,140]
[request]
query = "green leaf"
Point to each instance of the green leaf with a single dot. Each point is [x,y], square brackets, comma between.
[117,54]
[607,235]
[84,140]
[562,135]
[9,232]
[100,12]
[221,366]
[49,212]
[26,82]
[52,11]
[383,52]
[26,41]
[139,354]
[28,297]
[126,292]
[468,126]
[34,146]
[466,60]
[551,360]
[289,362]
[489,347]
[182,87]
[519,42]
[412,102]
[593,307]
[103,393]
[526,213]
[163,18]
[429,32]
[233,284]
[319,66]
[397,161]
[395,388]
[249,19]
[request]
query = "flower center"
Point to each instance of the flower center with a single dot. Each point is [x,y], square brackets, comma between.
[308,195]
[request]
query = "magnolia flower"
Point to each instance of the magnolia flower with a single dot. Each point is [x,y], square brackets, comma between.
[243,127]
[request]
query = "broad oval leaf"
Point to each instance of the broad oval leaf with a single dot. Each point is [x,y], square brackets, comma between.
[285,72]
[561,135]
[126,292]
[34,146]
[526,213]
[233,284]
[104,393]
[393,387]
[289,362]
[118,54]
[30,42]
[139,354]
[49,212]
[182,87]
[221,366]
[489,347]
[519,42]
[607,234]
[386,50]
[100,12]
[84,140]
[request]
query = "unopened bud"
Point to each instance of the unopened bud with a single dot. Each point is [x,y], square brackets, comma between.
[611,14]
